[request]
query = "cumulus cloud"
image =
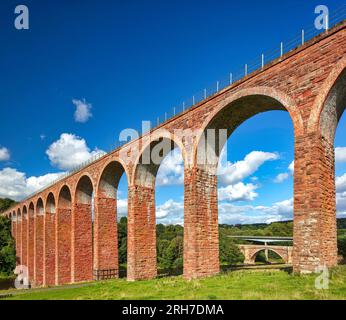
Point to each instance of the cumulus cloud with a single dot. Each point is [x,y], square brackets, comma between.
[340,183]
[83,110]
[121,208]
[69,151]
[291,167]
[231,173]
[281,177]
[233,214]
[4,154]
[340,154]
[238,192]
[171,171]
[15,185]
[170,209]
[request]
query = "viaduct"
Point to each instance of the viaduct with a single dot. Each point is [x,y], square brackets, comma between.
[57,240]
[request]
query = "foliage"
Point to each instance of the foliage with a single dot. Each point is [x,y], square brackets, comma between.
[5,204]
[229,252]
[7,247]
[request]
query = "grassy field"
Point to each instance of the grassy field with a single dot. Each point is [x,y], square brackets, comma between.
[242,284]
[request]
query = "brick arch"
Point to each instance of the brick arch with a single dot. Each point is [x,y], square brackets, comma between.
[254,254]
[82,239]
[39,238]
[63,236]
[31,241]
[155,139]
[141,247]
[333,108]
[19,236]
[106,257]
[24,251]
[266,98]
[49,240]
[314,121]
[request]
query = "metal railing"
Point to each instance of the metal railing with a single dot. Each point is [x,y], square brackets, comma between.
[258,64]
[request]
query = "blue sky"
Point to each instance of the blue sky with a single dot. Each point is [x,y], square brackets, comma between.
[123,62]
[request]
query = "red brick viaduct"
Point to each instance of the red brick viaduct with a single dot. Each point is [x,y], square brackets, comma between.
[53,229]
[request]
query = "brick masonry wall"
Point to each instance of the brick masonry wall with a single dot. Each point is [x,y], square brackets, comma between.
[49,245]
[63,246]
[105,235]
[82,243]
[39,253]
[141,234]
[31,247]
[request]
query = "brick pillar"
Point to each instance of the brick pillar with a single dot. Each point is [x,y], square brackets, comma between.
[15,236]
[201,236]
[105,236]
[141,237]
[49,249]
[63,245]
[314,236]
[39,221]
[24,250]
[31,248]
[82,247]
[19,242]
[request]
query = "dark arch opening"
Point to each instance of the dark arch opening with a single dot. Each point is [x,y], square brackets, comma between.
[39,238]
[269,257]
[63,228]
[49,248]
[50,204]
[40,207]
[31,239]
[145,178]
[111,247]
[83,231]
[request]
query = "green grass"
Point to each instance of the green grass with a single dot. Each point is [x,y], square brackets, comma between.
[244,284]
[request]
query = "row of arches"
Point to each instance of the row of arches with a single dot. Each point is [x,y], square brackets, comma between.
[76,229]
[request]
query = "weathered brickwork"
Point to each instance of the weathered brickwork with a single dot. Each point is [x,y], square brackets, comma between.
[309,83]
[38,255]
[49,245]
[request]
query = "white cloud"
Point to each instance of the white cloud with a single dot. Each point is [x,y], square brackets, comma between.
[69,151]
[4,154]
[238,192]
[281,177]
[291,167]
[233,214]
[170,209]
[340,183]
[171,171]
[340,154]
[122,208]
[231,173]
[15,185]
[83,110]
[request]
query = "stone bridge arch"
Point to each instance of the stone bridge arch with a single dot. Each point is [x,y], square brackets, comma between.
[106,257]
[250,252]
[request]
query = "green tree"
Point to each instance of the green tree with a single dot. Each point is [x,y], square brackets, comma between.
[229,251]
[7,247]
[5,204]
[122,240]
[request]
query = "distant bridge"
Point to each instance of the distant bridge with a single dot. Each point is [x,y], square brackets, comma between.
[250,251]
